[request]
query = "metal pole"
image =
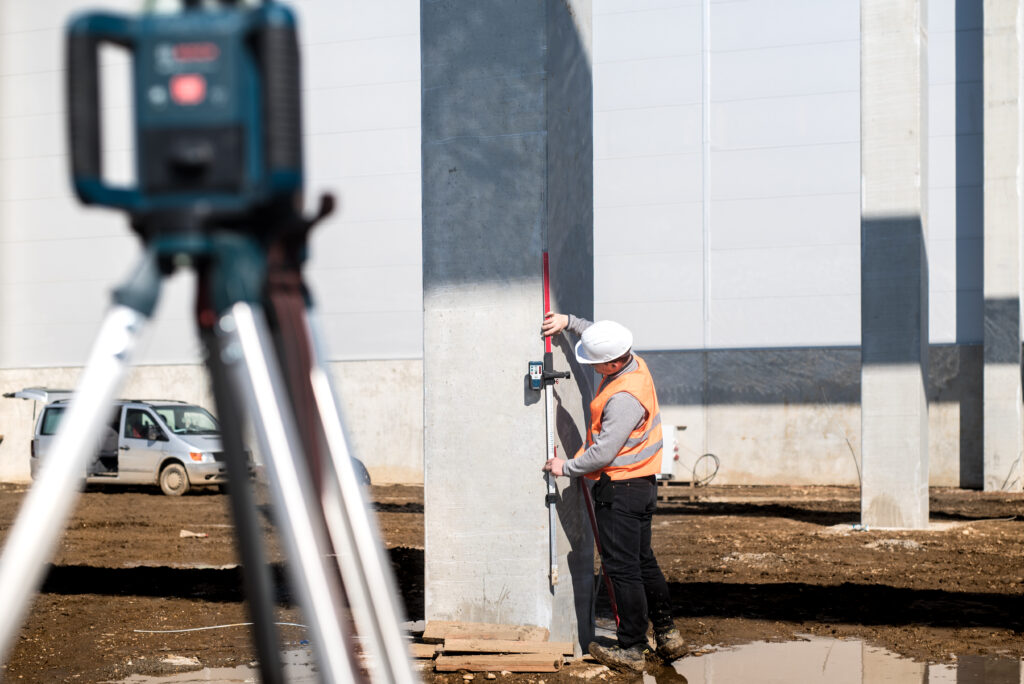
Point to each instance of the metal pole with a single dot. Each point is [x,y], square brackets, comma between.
[365,570]
[552,492]
[45,512]
[46,509]
[248,356]
[256,575]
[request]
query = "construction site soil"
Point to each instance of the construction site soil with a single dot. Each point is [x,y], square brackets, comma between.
[743,564]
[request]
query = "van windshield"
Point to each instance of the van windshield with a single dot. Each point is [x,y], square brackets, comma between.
[188,420]
[51,420]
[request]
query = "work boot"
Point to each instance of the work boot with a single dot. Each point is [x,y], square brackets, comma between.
[618,658]
[670,644]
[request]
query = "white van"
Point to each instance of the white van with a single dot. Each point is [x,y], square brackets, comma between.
[169,443]
[165,442]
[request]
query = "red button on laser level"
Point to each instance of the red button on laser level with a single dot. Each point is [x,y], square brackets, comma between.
[188,89]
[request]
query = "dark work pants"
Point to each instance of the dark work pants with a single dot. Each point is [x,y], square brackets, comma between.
[624,528]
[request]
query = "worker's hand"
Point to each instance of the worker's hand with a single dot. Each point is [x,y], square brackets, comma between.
[554,323]
[554,466]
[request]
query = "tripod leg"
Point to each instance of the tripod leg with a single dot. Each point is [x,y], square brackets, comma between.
[249,361]
[43,515]
[259,584]
[47,507]
[366,572]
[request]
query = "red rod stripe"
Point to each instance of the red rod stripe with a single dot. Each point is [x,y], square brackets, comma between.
[547,303]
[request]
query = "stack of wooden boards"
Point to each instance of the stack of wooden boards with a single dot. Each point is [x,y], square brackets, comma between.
[481,647]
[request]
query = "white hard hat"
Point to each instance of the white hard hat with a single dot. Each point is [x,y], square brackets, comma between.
[603,341]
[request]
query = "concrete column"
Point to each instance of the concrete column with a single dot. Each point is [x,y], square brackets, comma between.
[1003,428]
[894,266]
[507,172]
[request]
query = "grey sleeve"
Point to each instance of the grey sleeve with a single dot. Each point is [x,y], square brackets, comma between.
[578,325]
[622,414]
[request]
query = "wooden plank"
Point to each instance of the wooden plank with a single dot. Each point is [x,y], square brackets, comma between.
[423,650]
[439,630]
[520,662]
[506,646]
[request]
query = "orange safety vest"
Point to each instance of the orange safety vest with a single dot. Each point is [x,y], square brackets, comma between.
[640,456]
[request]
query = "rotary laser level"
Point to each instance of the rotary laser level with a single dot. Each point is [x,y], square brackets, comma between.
[217,113]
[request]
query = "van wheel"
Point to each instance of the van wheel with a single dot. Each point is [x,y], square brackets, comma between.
[174,480]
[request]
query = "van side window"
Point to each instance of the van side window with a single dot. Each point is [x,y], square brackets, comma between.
[138,423]
[51,420]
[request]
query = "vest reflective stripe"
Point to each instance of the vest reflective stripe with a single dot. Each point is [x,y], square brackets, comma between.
[633,441]
[640,456]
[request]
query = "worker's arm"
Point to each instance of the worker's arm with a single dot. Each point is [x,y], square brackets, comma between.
[555,323]
[622,414]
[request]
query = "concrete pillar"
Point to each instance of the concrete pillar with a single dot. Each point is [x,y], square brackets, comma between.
[507,171]
[1003,429]
[894,266]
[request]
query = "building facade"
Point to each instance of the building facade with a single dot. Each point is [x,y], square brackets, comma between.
[727,227]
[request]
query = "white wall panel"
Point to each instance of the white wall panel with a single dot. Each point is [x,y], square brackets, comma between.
[674,228]
[678,277]
[353,243]
[659,82]
[787,221]
[638,181]
[779,170]
[377,289]
[785,71]
[649,33]
[790,321]
[785,171]
[660,325]
[361,71]
[954,171]
[357,335]
[752,24]
[628,132]
[794,121]
[797,271]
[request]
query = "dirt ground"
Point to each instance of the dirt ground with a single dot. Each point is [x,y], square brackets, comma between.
[743,564]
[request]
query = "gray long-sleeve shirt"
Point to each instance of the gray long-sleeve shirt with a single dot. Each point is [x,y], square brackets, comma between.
[622,414]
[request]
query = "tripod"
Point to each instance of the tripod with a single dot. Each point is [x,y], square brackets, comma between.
[258,328]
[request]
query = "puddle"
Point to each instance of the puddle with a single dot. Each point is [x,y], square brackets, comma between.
[298,668]
[835,661]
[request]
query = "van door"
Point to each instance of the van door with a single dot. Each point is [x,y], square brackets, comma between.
[141,447]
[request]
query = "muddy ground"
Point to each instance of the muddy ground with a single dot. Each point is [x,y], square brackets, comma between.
[743,563]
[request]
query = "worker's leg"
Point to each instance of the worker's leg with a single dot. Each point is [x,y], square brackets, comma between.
[659,607]
[619,522]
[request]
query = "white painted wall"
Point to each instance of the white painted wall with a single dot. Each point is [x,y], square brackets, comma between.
[59,260]
[743,230]
[955,171]
[776,140]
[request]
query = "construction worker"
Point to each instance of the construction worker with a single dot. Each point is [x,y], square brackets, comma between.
[622,455]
